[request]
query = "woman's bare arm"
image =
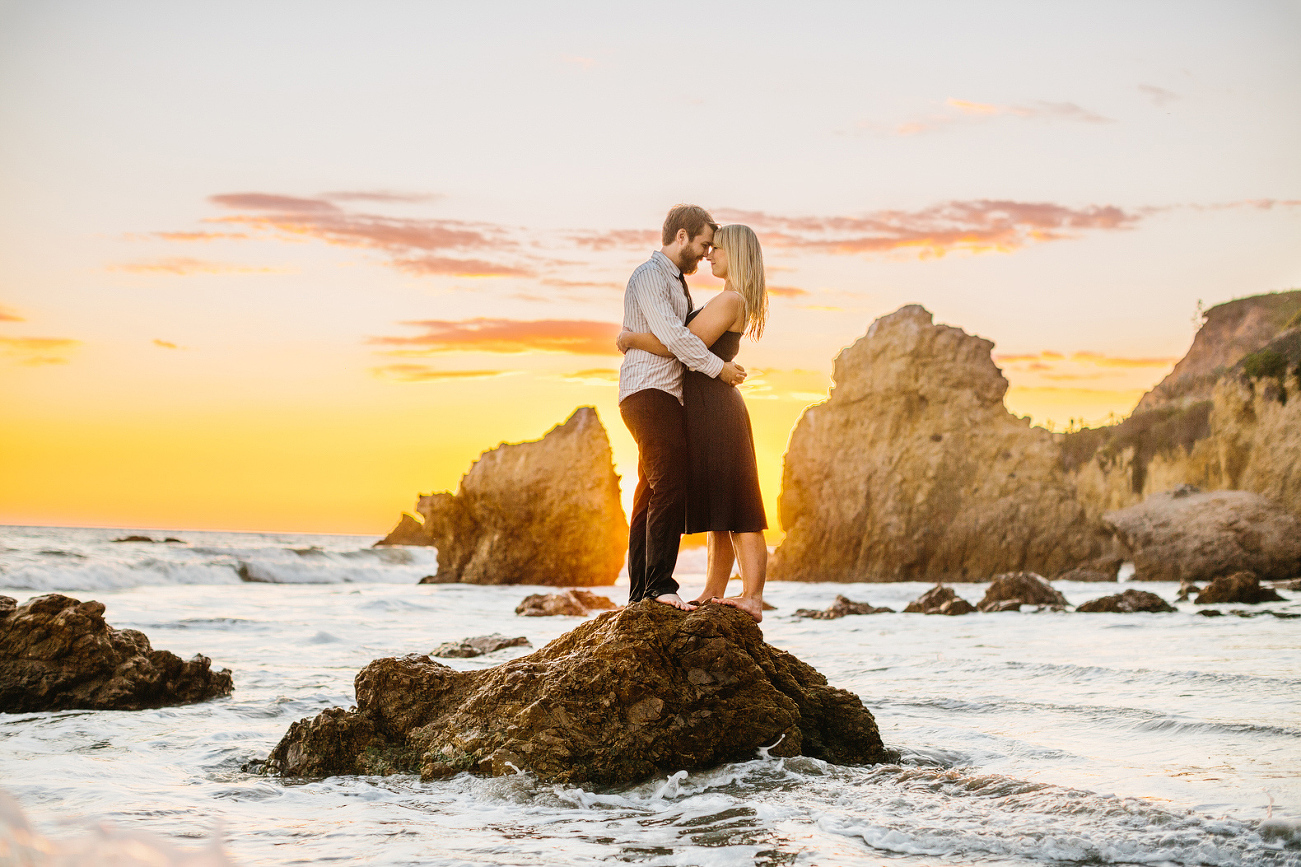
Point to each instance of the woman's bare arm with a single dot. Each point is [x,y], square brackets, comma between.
[709,324]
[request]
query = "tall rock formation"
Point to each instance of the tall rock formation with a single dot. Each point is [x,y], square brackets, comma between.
[913,470]
[543,512]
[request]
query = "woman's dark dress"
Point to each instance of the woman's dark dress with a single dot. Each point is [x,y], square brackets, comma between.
[724,489]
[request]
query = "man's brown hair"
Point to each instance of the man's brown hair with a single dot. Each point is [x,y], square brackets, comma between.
[693,218]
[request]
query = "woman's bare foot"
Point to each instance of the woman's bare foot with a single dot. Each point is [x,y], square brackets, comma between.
[676,601]
[753,607]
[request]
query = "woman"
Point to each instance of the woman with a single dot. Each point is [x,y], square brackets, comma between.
[724,496]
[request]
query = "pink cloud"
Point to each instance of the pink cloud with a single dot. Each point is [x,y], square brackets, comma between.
[977,226]
[184,266]
[424,373]
[8,316]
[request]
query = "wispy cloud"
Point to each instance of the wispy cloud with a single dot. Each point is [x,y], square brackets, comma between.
[382,196]
[569,336]
[977,226]
[585,63]
[38,351]
[7,315]
[1159,96]
[787,291]
[592,376]
[190,236]
[1048,359]
[165,344]
[425,373]
[636,239]
[416,246]
[965,111]
[186,266]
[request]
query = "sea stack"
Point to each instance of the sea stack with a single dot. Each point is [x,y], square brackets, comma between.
[913,470]
[541,512]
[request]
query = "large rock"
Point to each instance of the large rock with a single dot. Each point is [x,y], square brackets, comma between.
[571,603]
[630,694]
[842,607]
[1238,587]
[939,600]
[913,470]
[1129,602]
[544,512]
[57,653]
[1186,536]
[1020,588]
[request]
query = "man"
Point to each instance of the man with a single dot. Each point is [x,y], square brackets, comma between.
[650,400]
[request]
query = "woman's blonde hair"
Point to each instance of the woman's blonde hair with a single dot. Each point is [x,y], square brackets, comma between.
[745,273]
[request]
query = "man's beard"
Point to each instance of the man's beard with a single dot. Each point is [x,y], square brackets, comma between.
[689,267]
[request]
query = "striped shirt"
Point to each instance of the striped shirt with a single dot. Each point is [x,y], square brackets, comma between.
[654,302]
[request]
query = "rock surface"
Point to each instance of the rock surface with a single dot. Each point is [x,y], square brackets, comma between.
[630,694]
[913,470]
[939,600]
[57,653]
[545,512]
[477,646]
[1020,588]
[1199,536]
[571,603]
[1126,603]
[842,607]
[1238,587]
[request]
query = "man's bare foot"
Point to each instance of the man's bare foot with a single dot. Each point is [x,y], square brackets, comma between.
[676,601]
[753,607]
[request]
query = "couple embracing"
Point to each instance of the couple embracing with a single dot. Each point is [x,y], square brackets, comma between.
[696,469]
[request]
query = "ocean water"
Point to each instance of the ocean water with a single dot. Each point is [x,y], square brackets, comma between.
[1027,738]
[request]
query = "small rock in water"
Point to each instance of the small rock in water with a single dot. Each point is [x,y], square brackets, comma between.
[57,653]
[1242,587]
[840,608]
[1127,603]
[939,600]
[1026,588]
[477,646]
[1186,590]
[571,603]
[134,539]
[623,697]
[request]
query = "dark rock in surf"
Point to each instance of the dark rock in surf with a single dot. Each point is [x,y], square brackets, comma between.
[939,600]
[1025,588]
[134,539]
[840,608]
[1242,587]
[630,694]
[1129,602]
[571,603]
[477,646]
[57,653]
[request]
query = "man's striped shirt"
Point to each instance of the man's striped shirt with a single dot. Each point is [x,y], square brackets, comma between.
[654,302]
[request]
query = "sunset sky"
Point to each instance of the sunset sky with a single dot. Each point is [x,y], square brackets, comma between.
[283,266]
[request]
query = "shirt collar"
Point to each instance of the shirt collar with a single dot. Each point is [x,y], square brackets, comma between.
[666,262]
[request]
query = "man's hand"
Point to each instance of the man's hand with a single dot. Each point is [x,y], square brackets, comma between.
[732,373]
[618,341]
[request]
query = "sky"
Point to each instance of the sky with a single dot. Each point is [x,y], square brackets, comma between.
[283,266]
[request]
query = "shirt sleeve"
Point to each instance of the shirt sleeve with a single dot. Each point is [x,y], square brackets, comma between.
[649,293]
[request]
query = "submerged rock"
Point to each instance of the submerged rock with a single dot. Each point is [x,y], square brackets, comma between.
[477,646]
[939,600]
[1198,536]
[1020,588]
[571,603]
[544,512]
[630,694]
[842,607]
[58,653]
[1126,603]
[1238,587]
[914,470]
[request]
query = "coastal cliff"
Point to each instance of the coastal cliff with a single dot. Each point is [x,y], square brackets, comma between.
[541,512]
[913,469]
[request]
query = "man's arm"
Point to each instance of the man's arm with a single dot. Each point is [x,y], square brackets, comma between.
[648,292]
